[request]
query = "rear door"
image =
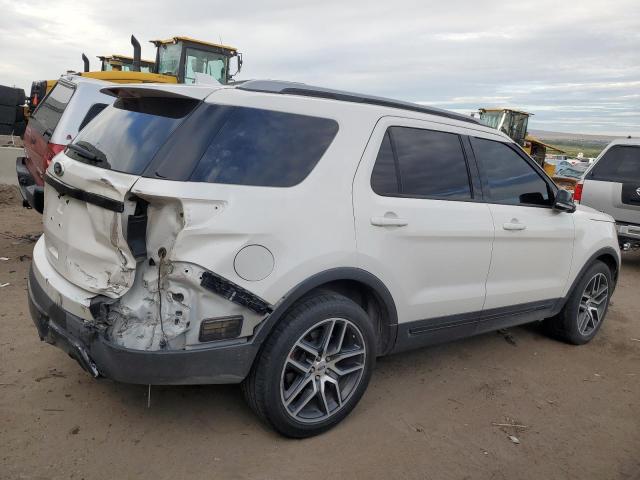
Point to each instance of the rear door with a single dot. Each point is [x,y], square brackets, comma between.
[42,125]
[533,244]
[613,184]
[421,226]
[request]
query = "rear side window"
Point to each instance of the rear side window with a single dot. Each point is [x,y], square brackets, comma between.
[510,178]
[95,109]
[384,179]
[51,109]
[426,164]
[618,164]
[257,147]
[127,135]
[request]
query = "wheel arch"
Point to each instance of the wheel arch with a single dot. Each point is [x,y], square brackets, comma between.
[362,287]
[608,256]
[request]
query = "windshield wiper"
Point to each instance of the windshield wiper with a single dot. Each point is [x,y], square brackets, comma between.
[83,152]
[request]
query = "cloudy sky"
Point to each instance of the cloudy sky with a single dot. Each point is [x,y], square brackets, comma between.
[574,64]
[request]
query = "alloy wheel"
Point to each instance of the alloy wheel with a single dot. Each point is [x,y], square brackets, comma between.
[593,304]
[323,370]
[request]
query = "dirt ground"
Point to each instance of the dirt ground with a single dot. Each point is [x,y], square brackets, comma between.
[430,414]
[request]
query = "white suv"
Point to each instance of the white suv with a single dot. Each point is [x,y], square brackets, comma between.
[284,236]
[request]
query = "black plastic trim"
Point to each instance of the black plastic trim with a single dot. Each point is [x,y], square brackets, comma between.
[32,194]
[333,275]
[603,251]
[213,364]
[234,293]
[301,89]
[89,197]
[421,333]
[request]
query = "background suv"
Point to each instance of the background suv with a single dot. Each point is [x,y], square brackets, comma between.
[72,103]
[284,236]
[612,185]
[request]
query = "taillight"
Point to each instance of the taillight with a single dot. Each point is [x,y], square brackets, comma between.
[577,192]
[52,150]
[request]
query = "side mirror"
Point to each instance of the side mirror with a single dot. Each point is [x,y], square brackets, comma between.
[564,202]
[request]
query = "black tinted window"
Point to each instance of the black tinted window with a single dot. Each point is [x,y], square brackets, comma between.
[511,179]
[51,109]
[127,135]
[261,147]
[384,180]
[95,109]
[431,164]
[618,164]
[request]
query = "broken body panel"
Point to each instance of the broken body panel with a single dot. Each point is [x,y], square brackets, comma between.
[152,301]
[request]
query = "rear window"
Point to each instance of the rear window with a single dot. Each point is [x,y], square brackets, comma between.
[619,164]
[50,111]
[126,136]
[188,140]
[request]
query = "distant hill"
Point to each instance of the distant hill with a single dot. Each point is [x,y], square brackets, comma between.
[562,136]
[590,145]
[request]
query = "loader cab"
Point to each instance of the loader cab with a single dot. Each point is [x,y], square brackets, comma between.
[512,122]
[123,63]
[184,58]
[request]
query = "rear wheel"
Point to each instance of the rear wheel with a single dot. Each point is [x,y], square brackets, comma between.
[314,367]
[582,316]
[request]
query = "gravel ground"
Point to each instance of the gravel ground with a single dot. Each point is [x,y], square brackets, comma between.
[437,413]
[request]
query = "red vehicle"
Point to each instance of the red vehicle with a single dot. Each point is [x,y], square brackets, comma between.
[69,106]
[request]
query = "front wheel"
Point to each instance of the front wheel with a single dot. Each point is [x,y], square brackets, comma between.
[582,316]
[314,367]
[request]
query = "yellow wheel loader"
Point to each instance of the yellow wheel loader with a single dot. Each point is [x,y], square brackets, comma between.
[178,60]
[515,124]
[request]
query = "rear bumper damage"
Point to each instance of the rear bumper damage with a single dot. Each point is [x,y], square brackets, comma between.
[32,194]
[88,345]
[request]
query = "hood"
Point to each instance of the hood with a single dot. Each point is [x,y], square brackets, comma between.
[594,214]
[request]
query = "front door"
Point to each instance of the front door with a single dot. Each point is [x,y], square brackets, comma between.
[533,244]
[419,227]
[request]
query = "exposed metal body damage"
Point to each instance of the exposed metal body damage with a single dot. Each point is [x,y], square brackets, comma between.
[168,298]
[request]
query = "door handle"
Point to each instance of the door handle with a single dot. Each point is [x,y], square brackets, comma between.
[514,224]
[389,222]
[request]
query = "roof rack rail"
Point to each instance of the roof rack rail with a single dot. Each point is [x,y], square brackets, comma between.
[302,89]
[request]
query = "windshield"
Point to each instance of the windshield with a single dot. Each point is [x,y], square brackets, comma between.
[491,119]
[169,58]
[208,63]
[126,136]
[123,67]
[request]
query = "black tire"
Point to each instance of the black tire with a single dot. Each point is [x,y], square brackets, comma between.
[6,129]
[10,96]
[567,325]
[8,114]
[264,388]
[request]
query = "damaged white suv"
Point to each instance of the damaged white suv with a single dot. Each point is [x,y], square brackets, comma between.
[284,236]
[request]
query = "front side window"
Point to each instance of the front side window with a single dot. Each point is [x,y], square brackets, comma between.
[511,180]
[427,164]
[208,63]
[618,164]
[51,109]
